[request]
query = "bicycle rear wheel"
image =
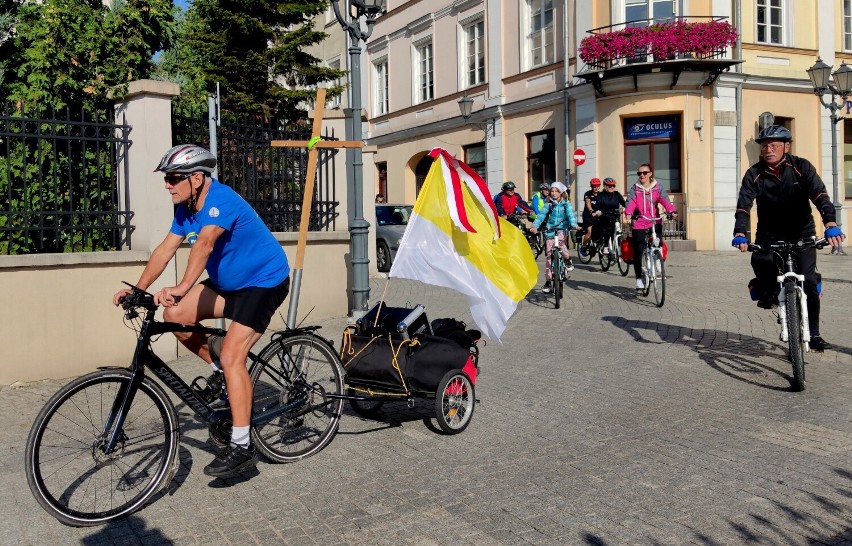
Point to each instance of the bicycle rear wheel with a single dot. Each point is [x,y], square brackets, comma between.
[68,472]
[659,279]
[299,372]
[794,338]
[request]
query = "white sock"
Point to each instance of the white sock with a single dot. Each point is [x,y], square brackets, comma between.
[241,436]
[217,366]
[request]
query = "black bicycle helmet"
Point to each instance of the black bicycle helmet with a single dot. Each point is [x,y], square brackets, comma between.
[544,186]
[609,181]
[774,132]
[187,159]
[508,186]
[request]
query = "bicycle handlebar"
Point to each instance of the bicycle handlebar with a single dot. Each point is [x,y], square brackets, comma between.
[785,246]
[137,298]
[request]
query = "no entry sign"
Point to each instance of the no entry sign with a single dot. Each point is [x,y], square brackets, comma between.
[579,156]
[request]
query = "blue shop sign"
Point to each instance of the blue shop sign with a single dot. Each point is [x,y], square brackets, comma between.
[656,127]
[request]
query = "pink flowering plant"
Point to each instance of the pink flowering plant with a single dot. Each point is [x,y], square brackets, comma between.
[662,40]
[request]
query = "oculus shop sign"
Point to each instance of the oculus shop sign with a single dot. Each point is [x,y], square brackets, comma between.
[653,127]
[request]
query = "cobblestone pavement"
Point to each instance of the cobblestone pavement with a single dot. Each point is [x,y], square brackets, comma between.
[608,421]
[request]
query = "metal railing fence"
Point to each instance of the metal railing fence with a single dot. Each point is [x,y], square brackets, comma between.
[270,179]
[59,181]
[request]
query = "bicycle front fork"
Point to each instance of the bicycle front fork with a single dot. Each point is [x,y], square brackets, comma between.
[803,311]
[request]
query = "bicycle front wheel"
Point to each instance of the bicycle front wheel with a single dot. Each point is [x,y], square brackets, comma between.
[556,274]
[606,257]
[794,338]
[292,381]
[647,273]
[67,470]
[659,279]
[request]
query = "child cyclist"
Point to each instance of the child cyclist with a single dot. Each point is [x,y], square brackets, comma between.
[556,221]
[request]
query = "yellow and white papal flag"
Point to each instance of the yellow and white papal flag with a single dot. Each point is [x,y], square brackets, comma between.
[455,239]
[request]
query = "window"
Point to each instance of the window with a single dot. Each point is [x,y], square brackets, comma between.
[770,29]
[425,74]
[380,85]
[847,25]
[541,157]
[654,140]
[646,11]
[382,175]
[540,43]
[335,102]
[474,156]
[474,53]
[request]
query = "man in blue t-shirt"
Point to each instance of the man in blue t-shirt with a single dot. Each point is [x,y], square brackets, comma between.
[249,277]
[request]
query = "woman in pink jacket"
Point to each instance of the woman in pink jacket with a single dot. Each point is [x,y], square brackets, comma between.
[643,202]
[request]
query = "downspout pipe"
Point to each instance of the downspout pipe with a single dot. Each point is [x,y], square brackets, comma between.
[566,101]
[738,54]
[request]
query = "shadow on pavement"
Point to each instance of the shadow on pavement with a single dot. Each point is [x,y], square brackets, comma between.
[733,354]
[118,532]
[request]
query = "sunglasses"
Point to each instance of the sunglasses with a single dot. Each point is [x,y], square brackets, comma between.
[642,173]
[174,180]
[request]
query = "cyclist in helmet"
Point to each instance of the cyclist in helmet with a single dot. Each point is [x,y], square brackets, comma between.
[508,202]
[784,186]
[609,205]
[249,277]
[590,211]
[539,198]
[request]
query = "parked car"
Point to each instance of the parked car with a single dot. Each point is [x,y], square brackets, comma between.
[390,225]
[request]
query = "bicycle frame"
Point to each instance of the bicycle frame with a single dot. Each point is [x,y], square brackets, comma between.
[144,357]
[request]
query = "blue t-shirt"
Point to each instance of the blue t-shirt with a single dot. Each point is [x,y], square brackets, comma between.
[247,254]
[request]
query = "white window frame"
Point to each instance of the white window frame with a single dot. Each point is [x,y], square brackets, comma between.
[847,25]
[381,91]
[467,79]
[529,35]
[622,9]
[423,61]
[335,64]
[785,22]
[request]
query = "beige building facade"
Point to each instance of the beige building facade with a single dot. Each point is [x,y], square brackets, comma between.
[536,102]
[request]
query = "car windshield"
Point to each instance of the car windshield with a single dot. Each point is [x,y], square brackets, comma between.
[393,215]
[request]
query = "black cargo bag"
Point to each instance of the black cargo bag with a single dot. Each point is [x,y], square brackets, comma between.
[416,365]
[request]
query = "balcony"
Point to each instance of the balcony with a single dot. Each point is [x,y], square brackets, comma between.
[686,51]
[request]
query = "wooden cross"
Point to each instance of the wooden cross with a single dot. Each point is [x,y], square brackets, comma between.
[307,199]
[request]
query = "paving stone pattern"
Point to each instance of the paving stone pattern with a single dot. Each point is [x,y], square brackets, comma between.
[608,421]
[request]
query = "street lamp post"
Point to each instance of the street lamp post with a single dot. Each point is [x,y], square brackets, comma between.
[841,87]
[359,228]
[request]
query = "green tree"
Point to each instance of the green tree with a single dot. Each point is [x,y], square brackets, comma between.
[78,52]
[255,50]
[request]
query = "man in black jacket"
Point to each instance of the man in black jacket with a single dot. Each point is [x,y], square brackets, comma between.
[784,187]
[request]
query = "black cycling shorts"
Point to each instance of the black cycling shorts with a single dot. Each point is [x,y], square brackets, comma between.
[252,306]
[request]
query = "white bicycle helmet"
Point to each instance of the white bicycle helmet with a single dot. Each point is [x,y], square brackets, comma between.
[187,159]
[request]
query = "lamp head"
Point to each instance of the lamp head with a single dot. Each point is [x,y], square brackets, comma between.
[819,74]
[465,106]
[368,7]
[843,78]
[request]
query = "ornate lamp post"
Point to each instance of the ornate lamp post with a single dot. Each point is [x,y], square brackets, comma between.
[359,228]
[466,109]
[820,74]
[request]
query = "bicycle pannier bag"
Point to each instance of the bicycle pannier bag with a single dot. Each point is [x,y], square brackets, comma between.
[627,250]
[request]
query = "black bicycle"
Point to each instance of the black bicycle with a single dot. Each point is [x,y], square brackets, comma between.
[793,304]
[535,240]
[107,442]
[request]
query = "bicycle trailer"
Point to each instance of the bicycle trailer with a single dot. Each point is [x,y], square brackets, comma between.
[395,353]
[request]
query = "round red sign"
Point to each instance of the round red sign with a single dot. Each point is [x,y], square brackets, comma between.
[579,156]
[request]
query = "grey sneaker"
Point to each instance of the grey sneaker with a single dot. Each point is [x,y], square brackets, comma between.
[569,265]
[232,460]
[548,286]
